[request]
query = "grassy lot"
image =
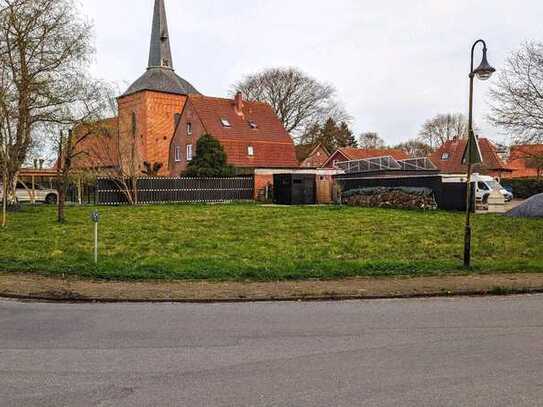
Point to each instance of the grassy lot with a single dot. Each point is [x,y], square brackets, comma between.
[250,242]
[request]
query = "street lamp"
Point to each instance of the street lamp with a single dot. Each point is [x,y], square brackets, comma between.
[472,153]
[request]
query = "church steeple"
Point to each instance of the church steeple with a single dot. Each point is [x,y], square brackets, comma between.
[160,76]
[160,54]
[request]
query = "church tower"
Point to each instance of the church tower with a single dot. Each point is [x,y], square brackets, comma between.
[150,107]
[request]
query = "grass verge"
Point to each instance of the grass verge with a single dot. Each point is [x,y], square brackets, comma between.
[257,243]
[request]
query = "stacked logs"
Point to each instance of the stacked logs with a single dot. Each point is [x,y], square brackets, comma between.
[386,197]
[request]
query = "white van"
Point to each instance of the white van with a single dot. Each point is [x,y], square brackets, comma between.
[485,184]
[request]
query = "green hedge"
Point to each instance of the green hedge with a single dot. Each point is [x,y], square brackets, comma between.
[524,187]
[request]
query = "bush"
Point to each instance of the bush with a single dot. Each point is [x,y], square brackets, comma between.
[391,197]
[210,160]
[524,188]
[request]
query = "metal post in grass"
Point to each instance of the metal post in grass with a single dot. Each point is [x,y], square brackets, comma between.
[95,217]
[472,153]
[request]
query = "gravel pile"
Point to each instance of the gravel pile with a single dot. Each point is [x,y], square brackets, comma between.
[531,208]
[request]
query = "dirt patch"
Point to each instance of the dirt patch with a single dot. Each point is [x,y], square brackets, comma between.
[45,288]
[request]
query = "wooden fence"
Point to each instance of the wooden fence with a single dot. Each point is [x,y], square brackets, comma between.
[162,190]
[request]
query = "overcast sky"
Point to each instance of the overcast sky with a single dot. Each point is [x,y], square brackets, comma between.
[395,63]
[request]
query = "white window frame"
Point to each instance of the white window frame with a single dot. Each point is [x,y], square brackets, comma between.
[445,156]
[177,153]
[250,150]
[189,128]
[189,152]
[225,122]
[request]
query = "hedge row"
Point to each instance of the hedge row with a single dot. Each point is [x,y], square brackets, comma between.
[524,188]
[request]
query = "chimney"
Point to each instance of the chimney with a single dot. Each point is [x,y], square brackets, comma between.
[238,104]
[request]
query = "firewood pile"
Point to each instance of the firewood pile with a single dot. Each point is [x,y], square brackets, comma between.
[386,197]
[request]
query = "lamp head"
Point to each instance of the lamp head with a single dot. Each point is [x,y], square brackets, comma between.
[484,71]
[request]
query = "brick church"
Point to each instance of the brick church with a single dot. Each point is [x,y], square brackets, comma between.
[163,115]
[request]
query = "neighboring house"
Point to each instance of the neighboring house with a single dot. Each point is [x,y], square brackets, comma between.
[311,156]
[523,159]
[250,132]
[151,109]
[97,147]
[351,154]
[448,158]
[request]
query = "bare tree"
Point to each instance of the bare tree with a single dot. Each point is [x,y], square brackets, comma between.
[44,52]
[442,128]
[88,120]
[115,156]
[517,97]
[370,140]
[298,100]
[415,148]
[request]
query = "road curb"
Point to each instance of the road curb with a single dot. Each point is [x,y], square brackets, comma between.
[326,298]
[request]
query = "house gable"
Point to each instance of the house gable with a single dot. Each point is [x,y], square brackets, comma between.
[188,130]
[316,158]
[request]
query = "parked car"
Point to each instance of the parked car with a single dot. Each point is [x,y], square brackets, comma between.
[485,184]
[48,196]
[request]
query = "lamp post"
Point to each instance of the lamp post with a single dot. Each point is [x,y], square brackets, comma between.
[472,153]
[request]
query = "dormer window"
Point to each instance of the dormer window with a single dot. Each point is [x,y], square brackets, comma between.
[225,122]
[445,157]
[250,151]
[189,129]
[253,125]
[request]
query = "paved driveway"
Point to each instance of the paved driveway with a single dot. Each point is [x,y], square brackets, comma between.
[434,352]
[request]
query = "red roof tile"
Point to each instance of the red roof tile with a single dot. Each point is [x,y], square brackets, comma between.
[518,160]
[273,146]
[96,146]
[454,151]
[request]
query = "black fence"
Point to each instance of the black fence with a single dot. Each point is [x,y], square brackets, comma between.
[162,190]
[84,194]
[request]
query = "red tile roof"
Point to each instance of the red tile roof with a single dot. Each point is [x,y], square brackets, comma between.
[96,146]
[455,151]
[273,146]
[351,154]
[518,159]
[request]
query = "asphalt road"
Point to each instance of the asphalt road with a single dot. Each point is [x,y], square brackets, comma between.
[432,352]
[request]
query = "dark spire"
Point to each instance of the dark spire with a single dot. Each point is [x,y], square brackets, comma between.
[160,76]
[160,54]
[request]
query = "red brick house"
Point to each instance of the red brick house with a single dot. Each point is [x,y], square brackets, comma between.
[519,160]
[448,158]
[313,157]
[351,154]
[160,104]
[250,132]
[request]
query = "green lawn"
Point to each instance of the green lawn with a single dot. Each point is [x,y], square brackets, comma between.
[253,242]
